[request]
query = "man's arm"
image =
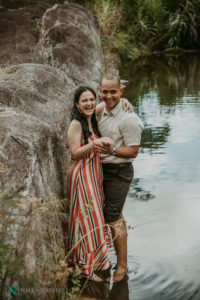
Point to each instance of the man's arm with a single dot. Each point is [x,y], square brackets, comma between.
[127,152]
[131,130]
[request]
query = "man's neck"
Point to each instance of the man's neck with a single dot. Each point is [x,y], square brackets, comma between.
[107,108]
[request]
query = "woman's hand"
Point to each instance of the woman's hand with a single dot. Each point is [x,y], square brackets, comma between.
[104,145]
[126,105]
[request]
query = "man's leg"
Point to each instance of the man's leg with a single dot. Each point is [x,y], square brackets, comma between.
[119,236]
[116,186]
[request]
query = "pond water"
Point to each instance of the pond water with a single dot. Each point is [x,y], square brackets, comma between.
[163,205]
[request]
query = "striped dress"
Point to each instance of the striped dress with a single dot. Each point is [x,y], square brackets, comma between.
[89,236]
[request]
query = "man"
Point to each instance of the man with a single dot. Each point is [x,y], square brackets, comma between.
[125,130]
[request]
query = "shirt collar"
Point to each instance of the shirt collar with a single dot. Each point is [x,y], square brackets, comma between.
[114,111]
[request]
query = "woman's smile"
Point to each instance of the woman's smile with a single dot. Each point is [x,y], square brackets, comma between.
[87,103]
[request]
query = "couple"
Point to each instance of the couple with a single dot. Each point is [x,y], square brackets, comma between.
[103,140]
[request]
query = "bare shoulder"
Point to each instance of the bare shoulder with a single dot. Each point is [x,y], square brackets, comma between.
[74,126]
[75,123]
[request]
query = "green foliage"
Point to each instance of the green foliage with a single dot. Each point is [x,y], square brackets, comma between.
[109,16]
[131,28]
[145,21]
[159,24]
[183,26]
[75,285]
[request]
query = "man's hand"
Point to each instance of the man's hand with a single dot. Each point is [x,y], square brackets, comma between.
[104,145]
[126,105]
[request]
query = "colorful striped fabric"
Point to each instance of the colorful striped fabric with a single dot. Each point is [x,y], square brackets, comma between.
[89,236]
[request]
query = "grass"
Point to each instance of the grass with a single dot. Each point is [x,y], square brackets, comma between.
[109,16]
[19,232]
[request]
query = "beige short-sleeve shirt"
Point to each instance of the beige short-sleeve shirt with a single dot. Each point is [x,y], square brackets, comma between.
[123,127]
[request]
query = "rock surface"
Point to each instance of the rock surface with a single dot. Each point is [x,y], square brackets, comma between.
[19,29]
[18,34]
[14,4]
[35,108]
[34,118]
[70,41]
[36,102]
[64,36]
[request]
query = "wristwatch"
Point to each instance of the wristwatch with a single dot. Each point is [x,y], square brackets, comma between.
[113,151]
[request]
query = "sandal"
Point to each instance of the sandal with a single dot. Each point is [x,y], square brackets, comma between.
[117,276]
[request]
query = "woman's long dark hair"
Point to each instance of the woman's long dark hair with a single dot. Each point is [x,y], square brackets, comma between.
[80,117]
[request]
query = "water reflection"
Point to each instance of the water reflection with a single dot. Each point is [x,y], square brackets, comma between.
[169,77]
[163,204]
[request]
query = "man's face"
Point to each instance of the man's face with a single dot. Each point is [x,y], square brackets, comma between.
[110,93]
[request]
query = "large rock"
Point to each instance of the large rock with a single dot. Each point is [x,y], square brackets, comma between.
[34,118]
[14,4]
[64,36]
[19,30]
[18,35]
[35,108]
[35,115]
[69,40]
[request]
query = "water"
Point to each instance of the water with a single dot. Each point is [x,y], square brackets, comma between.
[163,205]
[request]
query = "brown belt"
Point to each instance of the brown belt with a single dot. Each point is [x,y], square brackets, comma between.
[120,165]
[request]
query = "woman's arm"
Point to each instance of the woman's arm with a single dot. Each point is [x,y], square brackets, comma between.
[99,108]
[126,105]
[74,140]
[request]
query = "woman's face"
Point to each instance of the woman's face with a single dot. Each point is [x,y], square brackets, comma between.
[86,103]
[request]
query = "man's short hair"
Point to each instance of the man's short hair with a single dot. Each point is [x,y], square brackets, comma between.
[110,76]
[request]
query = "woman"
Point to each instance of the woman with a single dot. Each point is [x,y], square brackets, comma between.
[87,231]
